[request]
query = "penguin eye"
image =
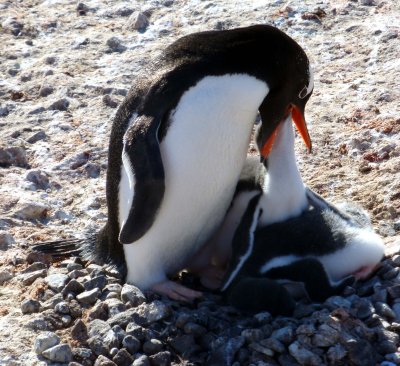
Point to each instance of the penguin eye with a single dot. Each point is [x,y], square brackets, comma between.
[303,93]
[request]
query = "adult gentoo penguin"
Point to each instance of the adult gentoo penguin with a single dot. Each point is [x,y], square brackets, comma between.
[302,239]
[179,141]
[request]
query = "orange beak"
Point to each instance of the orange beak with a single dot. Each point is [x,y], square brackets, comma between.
[300,123]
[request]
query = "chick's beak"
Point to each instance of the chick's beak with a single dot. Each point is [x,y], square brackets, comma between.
[300,123]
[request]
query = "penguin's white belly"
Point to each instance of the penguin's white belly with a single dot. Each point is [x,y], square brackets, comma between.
[203,153]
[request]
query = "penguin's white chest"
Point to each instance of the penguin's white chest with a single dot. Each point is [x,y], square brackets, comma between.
[203,153]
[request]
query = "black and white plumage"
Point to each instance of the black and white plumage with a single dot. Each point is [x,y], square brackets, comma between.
[323,246]
[179,141]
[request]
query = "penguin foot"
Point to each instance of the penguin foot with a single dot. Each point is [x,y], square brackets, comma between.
[363,272]
[175,291]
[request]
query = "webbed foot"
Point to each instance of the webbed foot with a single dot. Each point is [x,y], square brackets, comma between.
[175,291]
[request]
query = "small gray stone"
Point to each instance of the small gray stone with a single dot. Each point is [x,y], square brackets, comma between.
[36,266]
[132,294]
[6,240]
[4,111]
[104,361]
[38,178]
[394,291]
[59,353]
[123,358]
[79,330]
[13,156]
[335,354]
[5,276]
[285,335]
[92,170]
[161,359]
[44,341]
[152,346]
[195,329]
[32,211]
[97,346]
[138,21]
[37,324]
[110,340]
[384,310]
[131,343]
[37,110]
[136,331]
[141,361]
[303,356]
[76,273]
[273,344]
[96,282]
[29,278]
[185,345]
[153,312]
[393,357]
[62,308]
[252,335]
[30,306]
[57,281]
[60,105]
[261,349]
[40,135]
[74,287]
[109,102]
[115,306]
[98,311]
[45,90]
[335,302]
[360,352]
[98,328]
[325,337]
[89,297]
[52,301]
[115,45]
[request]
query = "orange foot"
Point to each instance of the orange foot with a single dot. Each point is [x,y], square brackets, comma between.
[175,291]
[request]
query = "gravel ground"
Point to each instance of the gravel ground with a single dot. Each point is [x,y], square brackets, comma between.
[65,67]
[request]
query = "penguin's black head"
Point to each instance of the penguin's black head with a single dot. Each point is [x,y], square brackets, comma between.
[291,84]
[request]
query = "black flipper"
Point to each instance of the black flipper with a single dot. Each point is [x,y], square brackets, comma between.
[312,273]
[260,294]
[141,149]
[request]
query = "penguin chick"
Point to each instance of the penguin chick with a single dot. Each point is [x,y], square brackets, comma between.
[179,141]
[323,246]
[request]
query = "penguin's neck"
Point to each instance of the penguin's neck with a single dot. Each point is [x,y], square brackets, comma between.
[284,191]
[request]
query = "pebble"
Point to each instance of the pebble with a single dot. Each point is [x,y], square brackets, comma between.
[394,291]
[336,353]
[131,343]
[30,306]
[38,178]
[138,21]
[28,278]
[303,356]
[5,275]
[57,281]
[141,361]
[82,8]
[92,170]
[95,282]
[32,211]
[89,297]
[123,358]
[45,90]
[161,359]
[38,136]
[104,361]
[6,240]
[114,44]
[60,353]
[109,102]
[360,352]
[152,346]
[59,105]
[79,330]
[284,335]
[131,294]
[4,111]
[13,156]
[110,340]
[45,341]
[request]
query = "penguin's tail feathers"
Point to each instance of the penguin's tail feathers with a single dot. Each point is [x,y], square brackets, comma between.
[79,247]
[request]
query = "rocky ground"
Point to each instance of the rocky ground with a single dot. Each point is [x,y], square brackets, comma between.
[65,67]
